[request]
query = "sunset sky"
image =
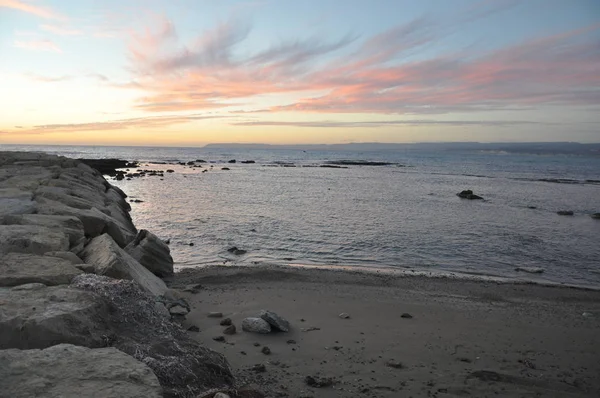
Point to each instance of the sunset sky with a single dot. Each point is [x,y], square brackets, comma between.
[191,72]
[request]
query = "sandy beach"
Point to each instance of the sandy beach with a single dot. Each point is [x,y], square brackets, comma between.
[404,337]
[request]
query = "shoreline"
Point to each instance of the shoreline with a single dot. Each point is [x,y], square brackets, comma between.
[399,272]
[404,336]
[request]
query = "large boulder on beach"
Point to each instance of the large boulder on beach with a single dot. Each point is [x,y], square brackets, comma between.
[68,371]
[31,239]
[18,269]
[138,328]
[39,317]
[276,321]
[110,260]
[152,253]
[256,325]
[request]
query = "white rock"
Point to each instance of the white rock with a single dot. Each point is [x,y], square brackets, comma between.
[256,325]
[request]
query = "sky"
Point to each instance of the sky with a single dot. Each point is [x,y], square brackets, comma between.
[192,72]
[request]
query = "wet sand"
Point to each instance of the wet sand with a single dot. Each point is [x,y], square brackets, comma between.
[465,338]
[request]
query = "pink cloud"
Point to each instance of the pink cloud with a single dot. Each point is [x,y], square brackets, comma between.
[38,45]
[368,77]
[40,11]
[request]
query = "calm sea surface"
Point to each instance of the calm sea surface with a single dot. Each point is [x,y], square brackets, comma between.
[386,216]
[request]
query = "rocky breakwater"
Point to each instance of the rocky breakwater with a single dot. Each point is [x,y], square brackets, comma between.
[83,312]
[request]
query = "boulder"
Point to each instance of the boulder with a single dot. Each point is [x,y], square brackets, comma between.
[182,365]
[275,321]
[18,269]
[468,194]
[152,253]
[70,225]
[68,371]
[43,317]
[31,239]
[256,325]
[110,260]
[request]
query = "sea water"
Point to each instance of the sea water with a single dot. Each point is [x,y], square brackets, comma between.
[285,209]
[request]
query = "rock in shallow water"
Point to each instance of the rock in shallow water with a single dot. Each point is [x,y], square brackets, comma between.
[275,320]
[256,325]
[69,371]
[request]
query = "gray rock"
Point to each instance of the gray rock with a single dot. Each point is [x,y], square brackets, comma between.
[231,329]
[110,260]
[18,269]
[275,320]
[468,194]
[68,371]
[152,253]
[256,325]
[42,317]
[31,239]
[162,310]
[215,315]
[596,216]
[70,225]
[178,310]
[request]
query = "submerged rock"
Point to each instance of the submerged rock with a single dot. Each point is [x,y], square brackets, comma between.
[530,270]
[596,216]
[69,371]
[236,251]
[275,320]
[256,325]
[468,194]
[152,253]
[565,212]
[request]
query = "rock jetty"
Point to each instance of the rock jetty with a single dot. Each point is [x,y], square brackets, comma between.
[83,308]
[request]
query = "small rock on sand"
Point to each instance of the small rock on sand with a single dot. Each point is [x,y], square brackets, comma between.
[259,368]
[343,315]
[275,320]
[220,339]
[406,315]
[236,251]
[193,328]
[318,382]
[596,216]
[229,329]
[215,315]
[266,350]
[394,364]
[225,322]
[256,325]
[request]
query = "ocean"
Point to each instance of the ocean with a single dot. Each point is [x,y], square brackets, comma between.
[285,209]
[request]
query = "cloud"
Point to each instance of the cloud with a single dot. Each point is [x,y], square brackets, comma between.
[61,31]
[378,74]
[48,79]
[38,45]
[120,124]
[40,11]
[382,123]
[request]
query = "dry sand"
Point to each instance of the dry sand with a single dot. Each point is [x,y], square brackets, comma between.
[465,338]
